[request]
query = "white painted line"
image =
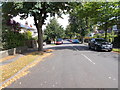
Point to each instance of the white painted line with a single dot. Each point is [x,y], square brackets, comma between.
[74,48]
[109,77]
[114,79]
[88,58]
[20,83]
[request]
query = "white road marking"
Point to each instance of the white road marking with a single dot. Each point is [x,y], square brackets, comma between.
[88,58]
[109,77]
[20,83]
[74,48]
[56,83]
[41,84]
[53,85]
[45,82]
[114,79]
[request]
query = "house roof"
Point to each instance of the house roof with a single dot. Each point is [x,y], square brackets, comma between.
[26,27]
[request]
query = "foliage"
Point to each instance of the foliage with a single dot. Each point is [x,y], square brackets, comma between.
[110,36]
[116,50]
[28,35]
[104,14]
[85,15]
[80,23]
[12,39]
[39,10]
[54,30]
[69,33]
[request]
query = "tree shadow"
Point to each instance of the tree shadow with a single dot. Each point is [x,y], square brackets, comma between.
[69,46]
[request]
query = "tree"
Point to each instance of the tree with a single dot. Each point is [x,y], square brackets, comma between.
[79,20]
[68,32]
[104,14]
[39,10]
[54,30]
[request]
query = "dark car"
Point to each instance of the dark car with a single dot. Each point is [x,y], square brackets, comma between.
[100,44]
[75,41]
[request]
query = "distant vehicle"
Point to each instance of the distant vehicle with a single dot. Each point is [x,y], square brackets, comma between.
[67,39]
[59,41]
[70,40]
[100,44]
[75,41]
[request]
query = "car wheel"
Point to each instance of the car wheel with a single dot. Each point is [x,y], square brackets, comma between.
[110,50]
[89,47]
[95,48]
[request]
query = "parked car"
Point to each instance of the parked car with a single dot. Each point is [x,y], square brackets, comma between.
[75,41]
[70,40]
[59,41]
[100,44]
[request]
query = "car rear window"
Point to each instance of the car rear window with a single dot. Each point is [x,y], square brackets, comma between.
[100,40]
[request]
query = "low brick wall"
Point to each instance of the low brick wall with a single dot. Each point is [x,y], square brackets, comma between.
[12,51]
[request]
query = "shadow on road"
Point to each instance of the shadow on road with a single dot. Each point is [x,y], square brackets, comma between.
[74,47]
[70,47]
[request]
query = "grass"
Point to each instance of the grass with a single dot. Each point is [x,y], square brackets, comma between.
[6,58]
[10,69]
[116,50]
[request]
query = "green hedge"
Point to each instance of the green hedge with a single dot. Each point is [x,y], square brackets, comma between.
[15,39]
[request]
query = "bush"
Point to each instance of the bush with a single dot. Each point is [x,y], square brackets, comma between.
[12,39]
[15,39]
[28,35]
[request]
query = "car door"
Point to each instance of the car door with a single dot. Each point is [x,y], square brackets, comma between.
[92,43]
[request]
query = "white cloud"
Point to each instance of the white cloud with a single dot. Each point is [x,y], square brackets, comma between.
[29,20]
[63,22]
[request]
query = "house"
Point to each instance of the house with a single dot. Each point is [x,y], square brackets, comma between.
[25,28]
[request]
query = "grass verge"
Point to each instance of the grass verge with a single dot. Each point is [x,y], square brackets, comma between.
[116,50]
[10,69]
[7,58]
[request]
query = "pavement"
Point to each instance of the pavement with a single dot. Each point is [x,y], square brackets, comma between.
[73,66]
[17,56]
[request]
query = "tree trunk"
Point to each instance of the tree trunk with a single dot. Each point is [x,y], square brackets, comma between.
[82,39]
[40,37]
[106,34]
[106,31]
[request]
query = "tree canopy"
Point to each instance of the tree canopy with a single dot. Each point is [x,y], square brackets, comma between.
[54,30]
[85,15]
[39,10]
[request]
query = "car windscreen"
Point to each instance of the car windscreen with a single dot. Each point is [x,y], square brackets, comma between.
[58,40]
[75,40]
[100,40]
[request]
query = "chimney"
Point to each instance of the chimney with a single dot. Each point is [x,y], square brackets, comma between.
[26,23]
[30,25]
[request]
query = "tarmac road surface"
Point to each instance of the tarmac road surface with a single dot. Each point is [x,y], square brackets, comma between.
[73,66]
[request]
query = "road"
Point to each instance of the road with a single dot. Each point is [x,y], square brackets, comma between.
[73,66]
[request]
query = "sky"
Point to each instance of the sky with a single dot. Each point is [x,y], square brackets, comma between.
[63,22]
